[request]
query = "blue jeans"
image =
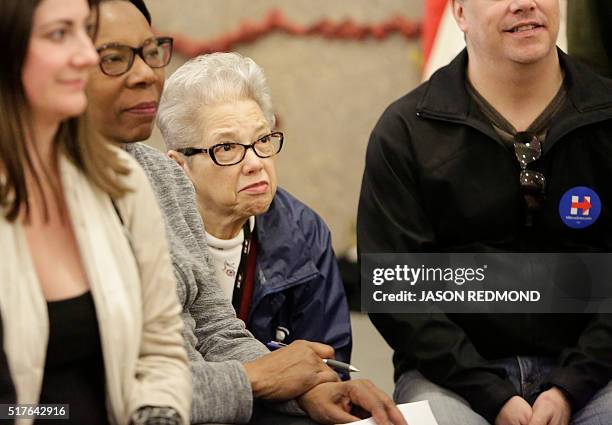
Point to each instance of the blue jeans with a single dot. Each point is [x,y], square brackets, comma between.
[525,373]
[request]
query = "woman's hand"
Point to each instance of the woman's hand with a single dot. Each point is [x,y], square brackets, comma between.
[289,372]
[349,401]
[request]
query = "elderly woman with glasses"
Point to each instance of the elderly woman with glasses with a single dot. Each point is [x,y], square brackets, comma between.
[272,254]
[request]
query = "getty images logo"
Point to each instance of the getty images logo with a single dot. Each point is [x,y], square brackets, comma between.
[579,207]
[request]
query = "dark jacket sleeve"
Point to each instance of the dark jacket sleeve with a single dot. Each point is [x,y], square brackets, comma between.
[587,367]
[321,308]
[391,218]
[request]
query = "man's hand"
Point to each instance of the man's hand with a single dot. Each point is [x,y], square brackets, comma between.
[516,411]
[339,402]
[551,408]
[289,372]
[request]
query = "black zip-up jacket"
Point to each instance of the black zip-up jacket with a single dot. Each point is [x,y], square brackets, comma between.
[439,179]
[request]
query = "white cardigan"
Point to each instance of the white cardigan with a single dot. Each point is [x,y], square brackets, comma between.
[134,293]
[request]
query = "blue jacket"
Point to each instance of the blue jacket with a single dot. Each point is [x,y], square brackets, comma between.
[297,282]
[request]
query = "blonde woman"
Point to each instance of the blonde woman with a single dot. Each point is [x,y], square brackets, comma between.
[87,296]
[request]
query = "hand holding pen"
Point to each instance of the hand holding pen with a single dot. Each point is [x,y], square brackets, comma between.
[335,364]
[298,371]
[285,374]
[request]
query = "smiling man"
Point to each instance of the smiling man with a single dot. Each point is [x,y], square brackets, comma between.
[498,151]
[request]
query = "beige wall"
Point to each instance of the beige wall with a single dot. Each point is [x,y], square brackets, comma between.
[328,93]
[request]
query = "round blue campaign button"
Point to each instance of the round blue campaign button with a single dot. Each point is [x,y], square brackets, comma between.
[579,207]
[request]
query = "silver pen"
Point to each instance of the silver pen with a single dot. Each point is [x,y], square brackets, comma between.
[341,366]
[335,364]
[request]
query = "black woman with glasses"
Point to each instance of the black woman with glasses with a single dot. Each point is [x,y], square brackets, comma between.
[128,82]
[272,254]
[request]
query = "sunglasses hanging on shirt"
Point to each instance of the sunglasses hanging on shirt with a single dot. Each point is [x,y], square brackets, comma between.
[528,149]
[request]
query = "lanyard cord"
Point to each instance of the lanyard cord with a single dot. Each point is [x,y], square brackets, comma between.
[240,275]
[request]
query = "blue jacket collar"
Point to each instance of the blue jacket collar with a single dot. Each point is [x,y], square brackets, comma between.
[282,254]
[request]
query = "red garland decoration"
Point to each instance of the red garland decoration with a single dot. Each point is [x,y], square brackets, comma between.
[249,32]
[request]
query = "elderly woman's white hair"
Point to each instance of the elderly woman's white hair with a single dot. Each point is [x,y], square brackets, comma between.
[208,80]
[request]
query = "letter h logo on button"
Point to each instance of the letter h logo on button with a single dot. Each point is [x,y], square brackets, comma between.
[585,205]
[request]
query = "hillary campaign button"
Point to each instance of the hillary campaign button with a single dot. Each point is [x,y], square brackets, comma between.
[579,207]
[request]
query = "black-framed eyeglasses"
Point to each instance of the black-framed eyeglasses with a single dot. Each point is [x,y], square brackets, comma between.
[528,149]
[117,59]
[231,153]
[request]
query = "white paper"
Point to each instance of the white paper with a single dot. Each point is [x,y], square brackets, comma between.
[417,413]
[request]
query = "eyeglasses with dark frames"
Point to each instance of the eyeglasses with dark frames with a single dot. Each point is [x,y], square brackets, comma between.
[117,59]
[231,153]
[528,149]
